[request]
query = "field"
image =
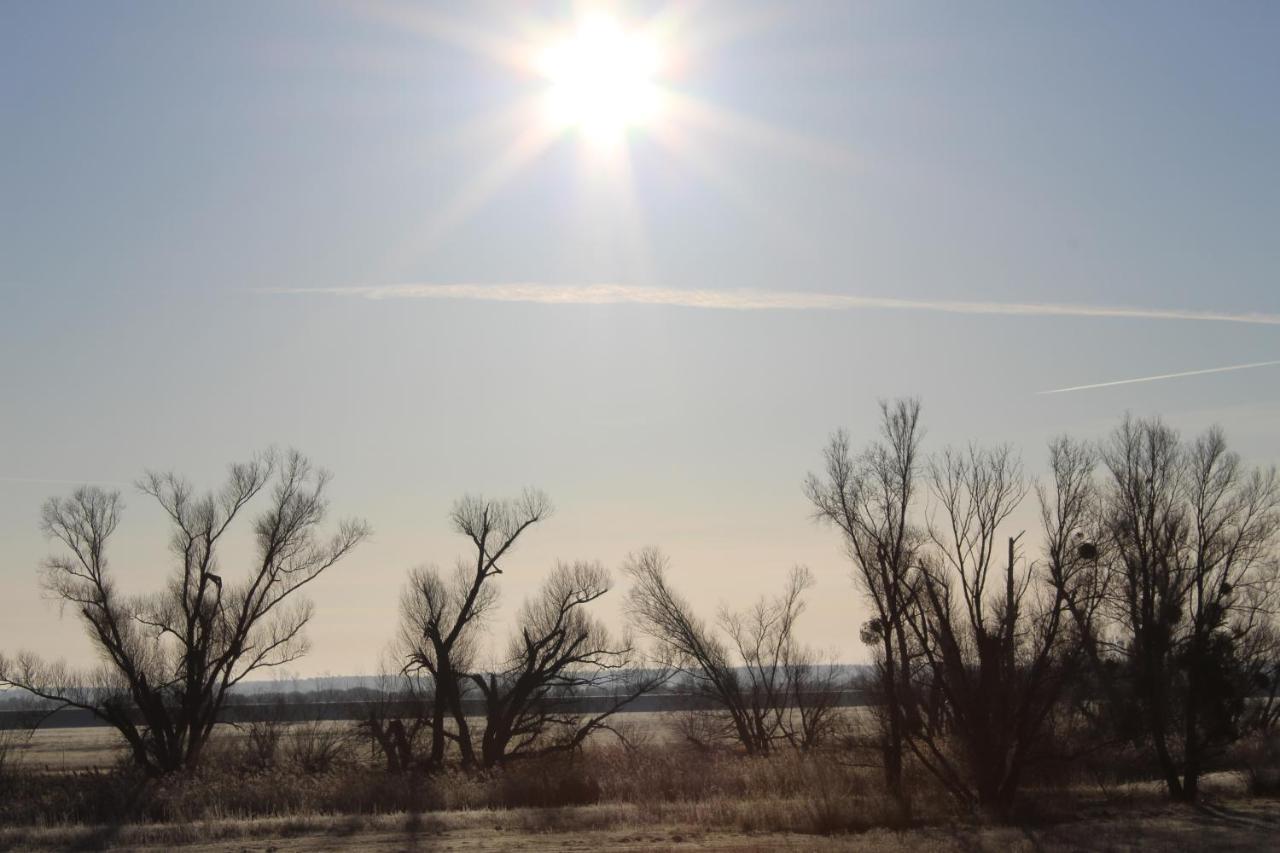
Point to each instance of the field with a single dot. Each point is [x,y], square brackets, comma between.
[99,747]
[1244,825]
[661,795]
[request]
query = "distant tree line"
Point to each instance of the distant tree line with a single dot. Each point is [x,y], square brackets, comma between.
[1143,616]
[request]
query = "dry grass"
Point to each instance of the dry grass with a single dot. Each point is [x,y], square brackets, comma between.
[667,782]
[319,785]
[100,747]
[664,785]
[1244,826]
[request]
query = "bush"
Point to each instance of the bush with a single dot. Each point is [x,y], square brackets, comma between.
[11,743]
[262,744]
[1259,758]
[550,783]
[317,747]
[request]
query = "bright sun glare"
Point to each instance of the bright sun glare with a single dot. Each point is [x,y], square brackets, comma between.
[602,79]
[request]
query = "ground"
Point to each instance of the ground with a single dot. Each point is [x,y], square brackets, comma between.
[89,747]
[1237,825]
[655,802]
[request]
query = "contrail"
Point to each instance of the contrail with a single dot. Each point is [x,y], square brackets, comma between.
[49,482]
[757,300]
[1162,376]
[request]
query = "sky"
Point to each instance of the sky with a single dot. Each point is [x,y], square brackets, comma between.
[356,229]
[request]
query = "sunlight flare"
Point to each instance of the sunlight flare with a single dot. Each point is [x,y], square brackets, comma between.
[602,79]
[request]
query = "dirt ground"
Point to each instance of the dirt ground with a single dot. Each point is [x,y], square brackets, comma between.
[992,841]
[1240,825]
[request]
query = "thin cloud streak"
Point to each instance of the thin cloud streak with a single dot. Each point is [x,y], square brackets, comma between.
[1162,376]
[49,482]
[759,300]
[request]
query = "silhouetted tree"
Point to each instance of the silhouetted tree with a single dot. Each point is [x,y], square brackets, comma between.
[1260,679]
[994,649]
[398,715]
[748,675]
[170,658]
[813,695]
[1177,621]
[440,619]
[869,499]
[559,656]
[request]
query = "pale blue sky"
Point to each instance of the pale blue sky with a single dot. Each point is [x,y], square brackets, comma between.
[163,164]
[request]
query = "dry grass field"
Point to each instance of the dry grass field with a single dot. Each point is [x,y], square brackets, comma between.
[99,747]
[1244,825]
[59,750]
[660,795]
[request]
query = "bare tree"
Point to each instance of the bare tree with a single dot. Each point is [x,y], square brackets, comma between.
[1260,679]
[560,658]
[994,651]
[746,676]
[440,619]
[870,500]
[398,715]
[1179,616]
[1071,518]
[169,659]
[813,694]
[772,664]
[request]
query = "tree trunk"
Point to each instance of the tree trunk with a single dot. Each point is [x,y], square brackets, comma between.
[437,726]
[454,701]
[1167,767]
[893,740]
[1191,745]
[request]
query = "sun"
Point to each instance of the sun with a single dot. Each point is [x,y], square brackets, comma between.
[602,79]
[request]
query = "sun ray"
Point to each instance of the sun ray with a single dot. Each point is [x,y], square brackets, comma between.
[603,80]
[738,127]
[689,151]
[435,25]
[606,180]
[526,147]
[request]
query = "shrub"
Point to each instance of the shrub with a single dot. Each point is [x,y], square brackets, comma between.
[317,747]
[11,743]
[1259,758]
[262,744]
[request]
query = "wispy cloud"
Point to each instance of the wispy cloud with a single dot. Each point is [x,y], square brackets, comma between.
[1162,376]
[760,300]
[50,482]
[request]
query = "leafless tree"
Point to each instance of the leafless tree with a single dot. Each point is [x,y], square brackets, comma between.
[813,695]
[994,651]
[1260,677]
[870,499]
[744,668]
[398,716]
[169,659]
[440,618]
[560,657]
[1183,604]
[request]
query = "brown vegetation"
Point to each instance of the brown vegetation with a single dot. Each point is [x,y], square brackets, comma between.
[662,787]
